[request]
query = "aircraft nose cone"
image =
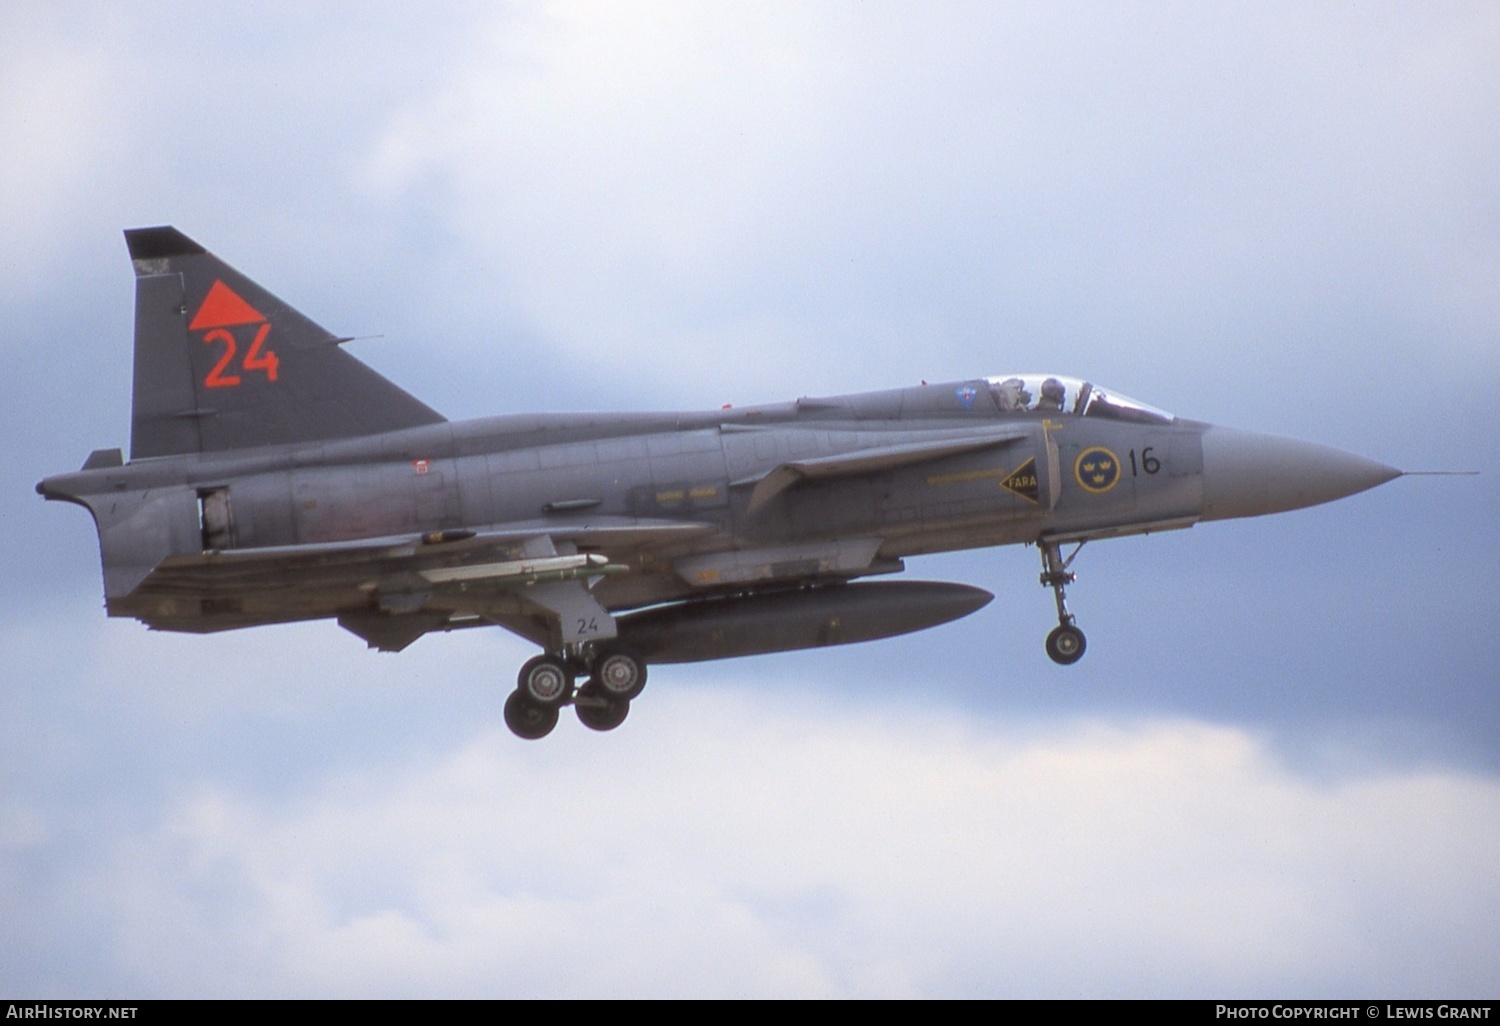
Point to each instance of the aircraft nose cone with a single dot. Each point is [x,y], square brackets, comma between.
[1246,474]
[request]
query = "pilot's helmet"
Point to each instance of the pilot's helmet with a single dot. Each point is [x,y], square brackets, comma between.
[1054,393]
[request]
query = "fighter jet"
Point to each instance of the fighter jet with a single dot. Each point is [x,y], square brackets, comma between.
[275,478]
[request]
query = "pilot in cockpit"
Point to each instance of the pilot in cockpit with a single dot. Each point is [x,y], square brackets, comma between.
[1011,394]
[1054,396]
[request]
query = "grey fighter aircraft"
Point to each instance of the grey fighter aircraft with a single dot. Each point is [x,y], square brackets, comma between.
[273,477]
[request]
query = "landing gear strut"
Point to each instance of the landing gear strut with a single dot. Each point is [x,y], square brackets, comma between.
[546,684]
[1066,643]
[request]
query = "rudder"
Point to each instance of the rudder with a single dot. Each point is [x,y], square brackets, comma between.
[221,363]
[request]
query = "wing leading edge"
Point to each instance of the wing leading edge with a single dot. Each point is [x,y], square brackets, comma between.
[872,461]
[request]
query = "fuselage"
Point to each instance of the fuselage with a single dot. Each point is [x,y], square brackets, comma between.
[878,476]
[557,471]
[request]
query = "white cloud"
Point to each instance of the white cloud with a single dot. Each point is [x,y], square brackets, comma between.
[59,116]
[624,167]
[707,193]
[720,844]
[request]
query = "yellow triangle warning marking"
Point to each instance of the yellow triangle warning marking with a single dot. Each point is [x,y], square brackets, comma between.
[1023,482]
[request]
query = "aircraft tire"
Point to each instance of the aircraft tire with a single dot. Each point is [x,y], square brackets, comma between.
[1066,645]
[619,675]
[597,711]
[545,681]
[528,720]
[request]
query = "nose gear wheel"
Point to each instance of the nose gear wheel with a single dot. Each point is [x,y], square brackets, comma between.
[1066,643]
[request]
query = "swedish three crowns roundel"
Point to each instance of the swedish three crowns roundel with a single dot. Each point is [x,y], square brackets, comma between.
[1097,469]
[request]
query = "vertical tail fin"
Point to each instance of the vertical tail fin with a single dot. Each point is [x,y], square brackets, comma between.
[221,363]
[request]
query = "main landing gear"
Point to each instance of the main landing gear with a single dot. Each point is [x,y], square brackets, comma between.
[546,684]
[1066,643]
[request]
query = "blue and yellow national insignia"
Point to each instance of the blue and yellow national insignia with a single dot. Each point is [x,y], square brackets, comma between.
[1097,469]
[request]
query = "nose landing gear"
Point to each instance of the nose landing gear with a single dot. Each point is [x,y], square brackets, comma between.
[1066,643]
[546,684]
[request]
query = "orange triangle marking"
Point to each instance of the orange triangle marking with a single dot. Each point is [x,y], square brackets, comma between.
[223,307]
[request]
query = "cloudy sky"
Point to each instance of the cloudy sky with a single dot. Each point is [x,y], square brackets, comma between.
[1277,771]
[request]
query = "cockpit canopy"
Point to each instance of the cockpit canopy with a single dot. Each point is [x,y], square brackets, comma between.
[1051,393]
